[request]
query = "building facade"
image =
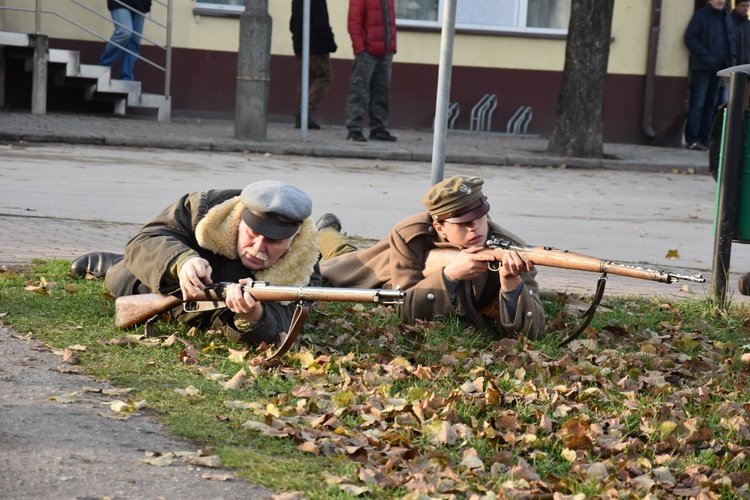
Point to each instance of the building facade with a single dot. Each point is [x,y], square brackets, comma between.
[513,49]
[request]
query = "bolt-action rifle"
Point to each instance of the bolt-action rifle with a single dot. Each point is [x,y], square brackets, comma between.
[554,257]
[132,310]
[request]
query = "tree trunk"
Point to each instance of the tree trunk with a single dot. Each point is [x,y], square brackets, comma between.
[578,124]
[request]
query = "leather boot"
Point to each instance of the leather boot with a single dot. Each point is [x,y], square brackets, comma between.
[744,284]
[94,264]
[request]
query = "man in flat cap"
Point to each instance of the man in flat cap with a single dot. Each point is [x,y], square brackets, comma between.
[263,232]
[456,218]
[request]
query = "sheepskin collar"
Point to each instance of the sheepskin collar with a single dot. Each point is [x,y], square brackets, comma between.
[218,231]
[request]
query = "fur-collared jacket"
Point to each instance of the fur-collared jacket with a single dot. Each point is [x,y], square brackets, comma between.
[206,224]
[398,262]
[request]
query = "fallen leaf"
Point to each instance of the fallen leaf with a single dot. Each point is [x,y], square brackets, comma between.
[210,461]
[64,398]
[161,461]
[354,490]
[235,382]
[188,391]
[217,477]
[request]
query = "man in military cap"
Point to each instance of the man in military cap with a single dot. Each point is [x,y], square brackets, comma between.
[263,232]
[456,218]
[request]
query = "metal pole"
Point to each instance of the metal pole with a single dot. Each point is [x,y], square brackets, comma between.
[443,91]
[168,62]
[38,17]
[305,84]
[729,182]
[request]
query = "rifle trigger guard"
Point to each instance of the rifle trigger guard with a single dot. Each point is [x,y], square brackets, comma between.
[589,314]
[493,266]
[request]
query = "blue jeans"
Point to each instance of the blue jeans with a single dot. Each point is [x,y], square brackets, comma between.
[129,38]
[704,96]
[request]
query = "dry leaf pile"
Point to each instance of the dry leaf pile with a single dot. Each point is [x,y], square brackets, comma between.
[623,411]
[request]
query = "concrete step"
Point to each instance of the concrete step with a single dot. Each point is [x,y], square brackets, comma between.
[96,80]
[15,39]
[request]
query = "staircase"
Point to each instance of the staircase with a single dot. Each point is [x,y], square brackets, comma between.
[67,71]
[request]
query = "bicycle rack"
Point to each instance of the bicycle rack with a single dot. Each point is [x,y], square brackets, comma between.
[519,122]
[481,113]
[453,111]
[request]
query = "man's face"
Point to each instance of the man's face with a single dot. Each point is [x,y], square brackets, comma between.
[258,252]
[742,8]
[464,234]
[717,4]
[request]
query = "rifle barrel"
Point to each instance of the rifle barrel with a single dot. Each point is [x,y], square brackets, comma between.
[554,257]
[262,291]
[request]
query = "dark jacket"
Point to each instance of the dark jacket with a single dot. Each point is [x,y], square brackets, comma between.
[399,262]
[139,5]
[321,35]
[710,39]
[206,224]
[371,28]
[741,26]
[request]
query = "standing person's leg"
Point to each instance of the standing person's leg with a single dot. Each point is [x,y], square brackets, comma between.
[699,81]
[298,101]
[709,109]
[321,79]
[358,96]
[380,99]
[133,44]
[122,20]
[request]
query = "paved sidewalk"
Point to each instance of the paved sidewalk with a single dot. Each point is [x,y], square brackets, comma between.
[412,145]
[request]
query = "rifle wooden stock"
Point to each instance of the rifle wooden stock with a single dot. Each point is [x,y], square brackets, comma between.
[133,310]
[438,258]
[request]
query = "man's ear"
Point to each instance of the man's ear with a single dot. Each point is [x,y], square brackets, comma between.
[439,228]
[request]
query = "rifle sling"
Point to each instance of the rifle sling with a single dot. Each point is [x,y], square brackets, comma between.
[589,314]
[299,317]
[466,299]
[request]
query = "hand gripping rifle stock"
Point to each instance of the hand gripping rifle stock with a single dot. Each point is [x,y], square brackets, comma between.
[553,257]
[133,310]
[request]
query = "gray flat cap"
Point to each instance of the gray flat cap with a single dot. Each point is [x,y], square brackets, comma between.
[274,209]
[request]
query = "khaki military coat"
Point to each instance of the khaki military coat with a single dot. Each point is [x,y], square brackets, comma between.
[398,262]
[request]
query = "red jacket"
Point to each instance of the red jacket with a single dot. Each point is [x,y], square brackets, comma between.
[368,28]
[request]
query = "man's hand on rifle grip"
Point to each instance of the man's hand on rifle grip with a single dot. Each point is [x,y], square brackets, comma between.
[195,274]
[241,302]
[470,263]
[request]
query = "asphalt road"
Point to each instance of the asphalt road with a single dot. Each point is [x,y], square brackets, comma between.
[65,200]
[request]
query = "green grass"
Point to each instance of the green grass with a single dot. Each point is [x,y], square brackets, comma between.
[653,398]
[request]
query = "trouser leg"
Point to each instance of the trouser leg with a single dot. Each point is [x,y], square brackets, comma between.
[333,244]
[380,93]
[709,108]
[358,96]
[120,281]
[134,45]
[321,79]
[698,88]
[123,26]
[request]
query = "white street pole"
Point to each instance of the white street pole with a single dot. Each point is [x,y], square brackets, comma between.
[304,91]
[443,91]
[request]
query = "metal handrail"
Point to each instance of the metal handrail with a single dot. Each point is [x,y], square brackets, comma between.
[167,46]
